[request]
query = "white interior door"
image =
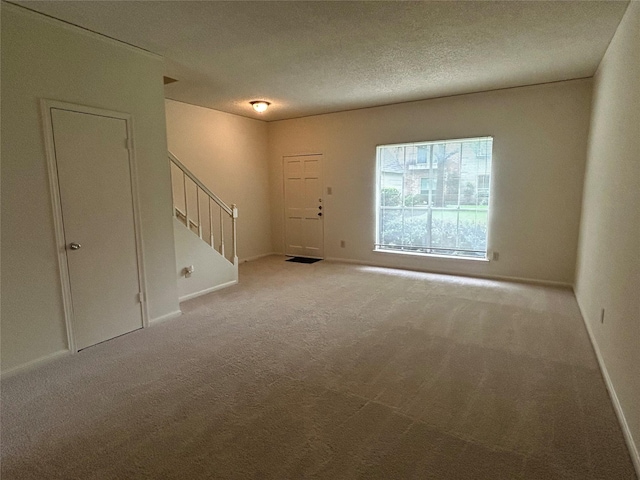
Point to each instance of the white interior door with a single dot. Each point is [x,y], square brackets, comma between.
[94,177]
[304,210]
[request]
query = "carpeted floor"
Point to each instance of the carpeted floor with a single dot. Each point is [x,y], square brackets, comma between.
[328,371]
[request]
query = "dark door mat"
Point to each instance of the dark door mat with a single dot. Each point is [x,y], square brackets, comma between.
[303,260]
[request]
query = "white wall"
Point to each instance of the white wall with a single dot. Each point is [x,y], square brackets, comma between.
[608,270]
[540,136]
[211,270]
[227,153]
[42,59]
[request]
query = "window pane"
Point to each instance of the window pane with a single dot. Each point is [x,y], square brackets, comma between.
[434,197]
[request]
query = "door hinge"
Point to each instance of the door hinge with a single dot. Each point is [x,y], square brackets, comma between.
[129,143]
[140,297]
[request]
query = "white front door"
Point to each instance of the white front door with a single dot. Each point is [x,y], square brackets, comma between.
[304,210]
[95,186]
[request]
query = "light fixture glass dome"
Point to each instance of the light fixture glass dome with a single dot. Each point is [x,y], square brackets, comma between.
[260,105]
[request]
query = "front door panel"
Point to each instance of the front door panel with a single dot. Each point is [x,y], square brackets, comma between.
[304,210]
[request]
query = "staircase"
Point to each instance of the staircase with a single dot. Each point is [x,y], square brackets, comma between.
[205,235]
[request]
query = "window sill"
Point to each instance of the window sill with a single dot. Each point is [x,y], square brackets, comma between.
[430,255]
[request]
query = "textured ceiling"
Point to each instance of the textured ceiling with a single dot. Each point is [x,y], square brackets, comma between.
[316,57]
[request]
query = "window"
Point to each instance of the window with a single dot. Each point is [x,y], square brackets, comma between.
[483,182]
[440,209]
[423,153]
[426,185]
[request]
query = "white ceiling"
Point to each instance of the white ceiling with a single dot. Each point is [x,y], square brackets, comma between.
[317,57]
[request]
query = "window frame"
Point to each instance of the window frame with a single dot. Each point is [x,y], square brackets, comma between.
[379,247]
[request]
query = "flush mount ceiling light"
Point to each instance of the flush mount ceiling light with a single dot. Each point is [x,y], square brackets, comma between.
[260,105]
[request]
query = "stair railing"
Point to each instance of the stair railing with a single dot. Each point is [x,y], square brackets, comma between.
[181,179]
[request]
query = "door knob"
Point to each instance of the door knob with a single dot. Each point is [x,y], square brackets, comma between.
[75,246]
[320,214]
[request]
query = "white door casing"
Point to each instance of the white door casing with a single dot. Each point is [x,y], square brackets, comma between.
[93,183]
[304,208]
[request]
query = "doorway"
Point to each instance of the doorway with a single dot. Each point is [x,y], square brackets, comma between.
[304,208]
[92,176]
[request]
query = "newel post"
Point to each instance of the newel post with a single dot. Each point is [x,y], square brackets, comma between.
[234,216]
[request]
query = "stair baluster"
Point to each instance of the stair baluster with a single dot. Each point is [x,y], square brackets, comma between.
[225,210]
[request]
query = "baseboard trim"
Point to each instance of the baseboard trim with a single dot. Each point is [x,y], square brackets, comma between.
[164,318]
[184,298]
[257,257]
[530,281]
[626,431]
[25,367]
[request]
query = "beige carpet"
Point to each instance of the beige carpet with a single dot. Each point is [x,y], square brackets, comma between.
[328,371]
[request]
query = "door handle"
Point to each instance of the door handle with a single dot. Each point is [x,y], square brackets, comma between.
[74,246]
[320,214]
